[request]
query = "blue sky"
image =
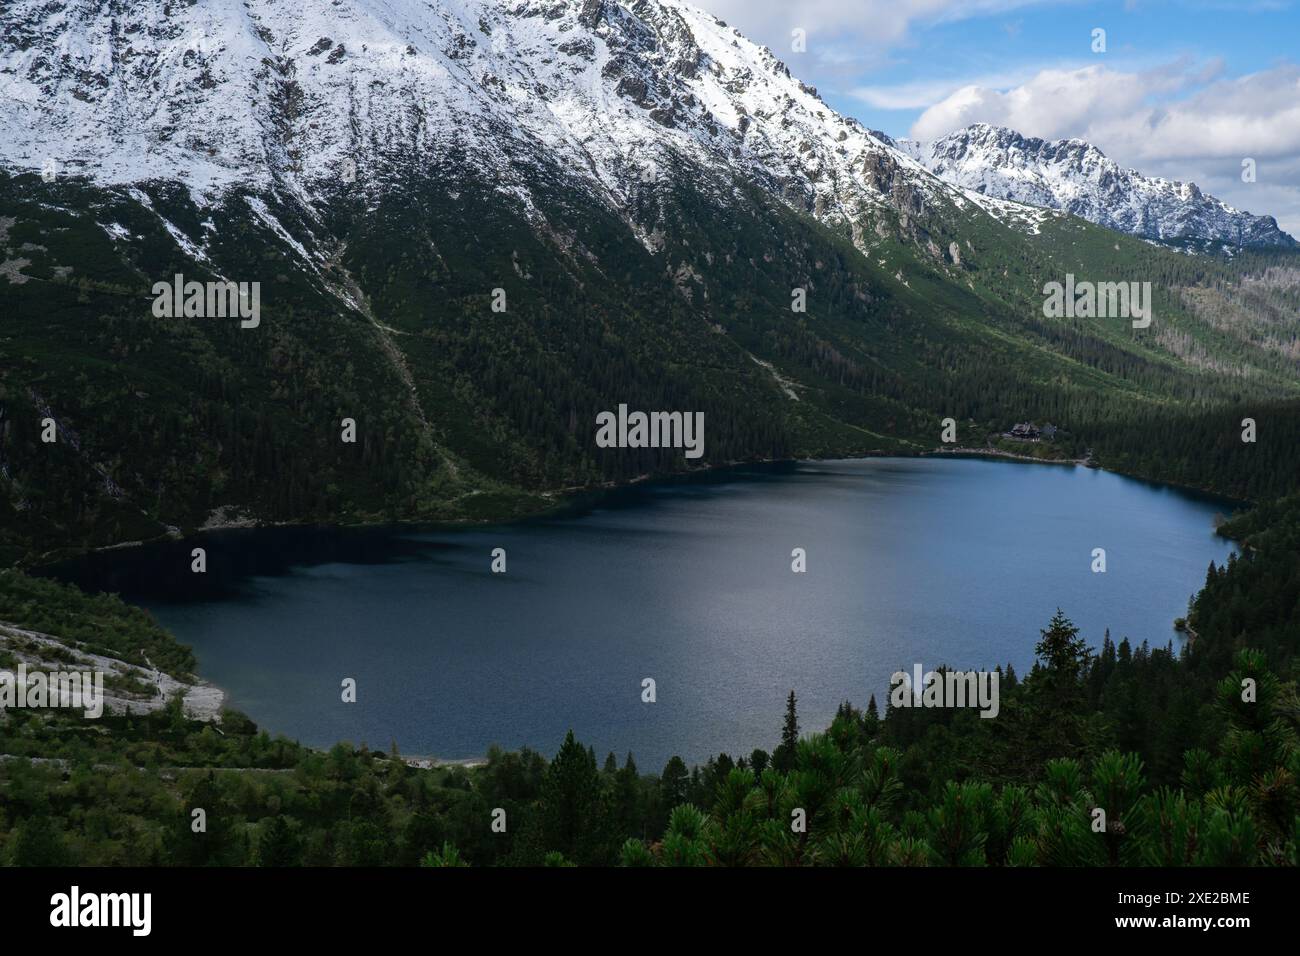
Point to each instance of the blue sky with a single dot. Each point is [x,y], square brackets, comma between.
[1186,89]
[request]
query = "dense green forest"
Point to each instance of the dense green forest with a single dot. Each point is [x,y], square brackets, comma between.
[1187,767]
[384,315]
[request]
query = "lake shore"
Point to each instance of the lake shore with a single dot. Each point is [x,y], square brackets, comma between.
[452,684]
[561,500]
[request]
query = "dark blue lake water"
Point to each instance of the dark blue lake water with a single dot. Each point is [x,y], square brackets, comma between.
[930,561]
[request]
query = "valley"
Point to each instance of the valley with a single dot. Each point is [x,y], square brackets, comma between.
[356,296]
[837,304]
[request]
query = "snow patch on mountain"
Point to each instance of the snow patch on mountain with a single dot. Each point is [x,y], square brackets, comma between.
[1020,216]
[292,101]
[293,98]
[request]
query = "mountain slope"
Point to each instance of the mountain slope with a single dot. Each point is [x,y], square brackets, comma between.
[1078,178]
[222,95]
[647,197]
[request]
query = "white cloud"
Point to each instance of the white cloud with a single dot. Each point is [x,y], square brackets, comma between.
[1060,102]
[874,23]
[1183,120]
[919,94]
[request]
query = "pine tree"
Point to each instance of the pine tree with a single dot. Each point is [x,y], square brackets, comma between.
[783,758]
[871,719]
[1065,657]
[278,845]
[674,782]
[573,809]
[628,802]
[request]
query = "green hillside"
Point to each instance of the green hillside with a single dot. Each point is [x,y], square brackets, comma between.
[381,310]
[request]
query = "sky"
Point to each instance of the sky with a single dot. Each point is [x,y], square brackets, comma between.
[1184,89]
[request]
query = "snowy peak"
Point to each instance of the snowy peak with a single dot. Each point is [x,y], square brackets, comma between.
[300,98]
[1074,176]
[264,94]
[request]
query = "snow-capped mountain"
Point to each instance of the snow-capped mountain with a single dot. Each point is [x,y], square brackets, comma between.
[675,221]
[299,96]
[1078,178]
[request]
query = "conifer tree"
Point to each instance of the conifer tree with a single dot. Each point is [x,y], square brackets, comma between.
[783,758]
[573,809]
